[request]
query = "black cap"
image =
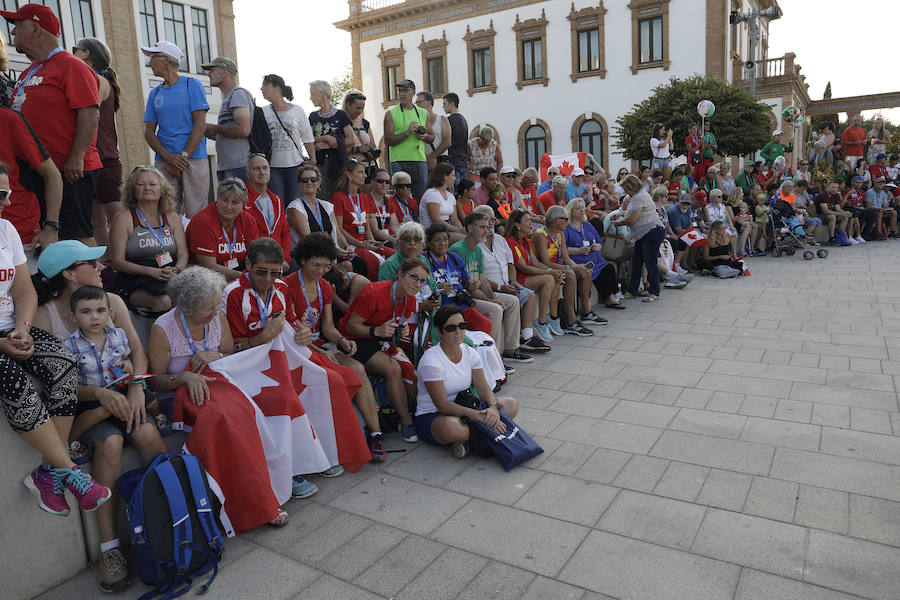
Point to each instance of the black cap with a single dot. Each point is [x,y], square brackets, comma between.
[406,83]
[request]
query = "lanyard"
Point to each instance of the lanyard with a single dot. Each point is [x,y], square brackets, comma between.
[268,215]
[404,208]
[398,320]
[190,338]
[357,207]
[20,86]
[228,242]
[264,308]
[309,308]
[160,239]
[317,214]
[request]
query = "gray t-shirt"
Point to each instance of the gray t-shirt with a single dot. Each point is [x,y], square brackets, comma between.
[233,153]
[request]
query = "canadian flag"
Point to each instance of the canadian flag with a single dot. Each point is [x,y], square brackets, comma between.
[693,237]
[565,162]
[744,270]
[254,434]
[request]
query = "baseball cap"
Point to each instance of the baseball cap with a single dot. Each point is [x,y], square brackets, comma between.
[715,192]
[880,156]
[507,169]
[776,132]
[858,178]
[877,179]
[163,47]
[685,199]
[577,171]
[59,256]
[749,163]
[40,14]
[223,62]
[406,83]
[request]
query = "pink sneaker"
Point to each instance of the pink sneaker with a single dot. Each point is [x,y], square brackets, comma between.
[89,494]
[49,490]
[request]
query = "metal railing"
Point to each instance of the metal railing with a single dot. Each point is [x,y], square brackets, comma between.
[371,5]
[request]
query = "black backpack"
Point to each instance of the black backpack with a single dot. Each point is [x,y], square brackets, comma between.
[260,137]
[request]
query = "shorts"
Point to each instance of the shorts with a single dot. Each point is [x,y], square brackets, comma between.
[813,221]
[366,348]
[99,432]
[77,208]
[110,182]
[661,163]
[523,296]
[423,427]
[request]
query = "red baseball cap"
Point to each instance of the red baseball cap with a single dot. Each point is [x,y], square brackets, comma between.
[40,14]
[700,196]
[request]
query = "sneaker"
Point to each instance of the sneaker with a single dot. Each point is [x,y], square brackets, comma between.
[852,241]
[335,471]
[517,356]
[831,242]
[113,571]
[675,285]
[592,317]
[459,450]
[860,240]
[687,277]
[49,490]
[535,345]
[376,448]
[554,326]
[302,488]
[509,370]
[543,331]
[408,433]
[88,493]
[578,329]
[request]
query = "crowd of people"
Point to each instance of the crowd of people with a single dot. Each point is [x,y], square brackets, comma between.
[423,274]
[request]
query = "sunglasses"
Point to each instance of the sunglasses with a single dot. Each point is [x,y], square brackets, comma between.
[276,273]
[4,194]
[402,185]
[233,182]
[462,326]
[308,180]
[383,181]
[93,263]
[412,239]
[76,49]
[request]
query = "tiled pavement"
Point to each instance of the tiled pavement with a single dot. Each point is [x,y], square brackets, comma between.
[738,440]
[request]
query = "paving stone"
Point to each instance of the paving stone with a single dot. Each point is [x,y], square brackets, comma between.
[853,566]
[681,481]
[772,499]
[738,384]
[642,413]
[752,542]
[351,559]
[782,433]
[538,422]
[755,585]
[394,570]
[801,359]
[829,394]
[653,519]
[498,582]
[726,402]
[831,415]
[641,473]
[585,405]
[320,543]
[895,422]
[405,504]
[616,436]
[330,588]
[758,406]
[635,390]
[794,410]
[746,457]
[664,394]
[874,421]
[262,573]
[864,381]
[486,479]
[428,464]
[838,473]
[532,542]
[305,518]
[603,466]
[693,398]
[719,424]
[444,578]
[588,384]
[626,568]
[861,445]
[875,519]
[542,588]
[568,499]
[565,459]
[725,489]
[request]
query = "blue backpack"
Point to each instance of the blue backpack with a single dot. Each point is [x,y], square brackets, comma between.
[174,533]
[840,237]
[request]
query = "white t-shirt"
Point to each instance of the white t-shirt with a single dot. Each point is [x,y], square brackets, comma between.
[496,261]
[11,255]
[435,366]
[658,152]
[284,152]
[447,206]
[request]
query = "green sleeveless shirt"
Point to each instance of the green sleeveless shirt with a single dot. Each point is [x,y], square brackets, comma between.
[411,149]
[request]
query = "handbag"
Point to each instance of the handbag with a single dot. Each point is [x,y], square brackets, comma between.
[513,447]
[615,251]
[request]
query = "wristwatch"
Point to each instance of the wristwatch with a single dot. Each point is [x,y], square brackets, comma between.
[54,225]
[185,154]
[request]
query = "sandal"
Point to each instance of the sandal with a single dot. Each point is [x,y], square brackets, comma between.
[617,305]
[281,520]
[650,298]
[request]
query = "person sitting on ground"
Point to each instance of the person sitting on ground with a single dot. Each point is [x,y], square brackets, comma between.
[402,205]
[438,204]
[719,249]
[446,370]
[147,242]
[533,275]
[219,234]
[681,218]
[583,245]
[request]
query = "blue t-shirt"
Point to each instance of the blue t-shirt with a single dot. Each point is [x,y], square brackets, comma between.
[678,219]
[574,191]
[171,109]
[578,239]
[452,271]
[545,185]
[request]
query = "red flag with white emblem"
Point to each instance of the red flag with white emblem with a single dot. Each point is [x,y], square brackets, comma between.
[694,237]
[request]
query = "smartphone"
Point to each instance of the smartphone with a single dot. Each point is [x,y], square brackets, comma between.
[275,315]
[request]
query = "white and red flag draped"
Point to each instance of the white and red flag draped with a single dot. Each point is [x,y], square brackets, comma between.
[272,414]
[693,237]
[565,162]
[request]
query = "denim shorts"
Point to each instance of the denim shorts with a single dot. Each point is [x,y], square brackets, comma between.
[523,296]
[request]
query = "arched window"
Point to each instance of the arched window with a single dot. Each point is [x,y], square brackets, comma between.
[590,139]
[535,145]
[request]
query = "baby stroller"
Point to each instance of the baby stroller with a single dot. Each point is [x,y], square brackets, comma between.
[788,232]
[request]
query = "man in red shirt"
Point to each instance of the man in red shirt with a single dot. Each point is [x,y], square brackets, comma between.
[879,169]
[59,95]
[555,195]
[529,194]
[264,206]
[853,141]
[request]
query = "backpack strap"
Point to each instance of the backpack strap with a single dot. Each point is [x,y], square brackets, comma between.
[181,521]
[204,514]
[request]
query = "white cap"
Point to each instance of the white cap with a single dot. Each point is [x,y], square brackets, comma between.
[577,171]
[163,47]
[776,132]
[507,169]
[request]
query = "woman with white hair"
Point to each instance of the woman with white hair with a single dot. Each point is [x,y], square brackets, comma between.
[333,132]
[584,246]
[483,151]
[402,205]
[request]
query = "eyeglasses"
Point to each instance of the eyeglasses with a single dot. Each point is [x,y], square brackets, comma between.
[402,185]
[76,49]
[325,267]
[4,194]
[420,281]
[93,263]
[276,273]
[462,326]
[412,239]
[383,181]
[308,180]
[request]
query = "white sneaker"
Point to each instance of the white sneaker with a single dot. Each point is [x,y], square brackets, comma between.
[860,239]
[852,241]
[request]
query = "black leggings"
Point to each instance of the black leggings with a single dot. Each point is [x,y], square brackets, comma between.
[55,367]
[606,282]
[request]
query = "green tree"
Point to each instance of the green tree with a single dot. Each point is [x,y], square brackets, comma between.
[740,123]
[341,85]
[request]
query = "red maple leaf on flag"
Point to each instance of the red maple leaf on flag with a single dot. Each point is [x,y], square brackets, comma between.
[566,168]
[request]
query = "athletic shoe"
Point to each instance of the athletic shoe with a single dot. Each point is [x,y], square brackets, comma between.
[879,237]
[409,435]
[687,277]
[459,450]
[49,490]
[113,571]
[592,317]
[852,241]
[675,285]
[555,327]
[509,370]
[543,331]
[535,345]
[335,471]
[517,356]
[376,447]
[302,488]
[578,329]
[860,239]
[89,494]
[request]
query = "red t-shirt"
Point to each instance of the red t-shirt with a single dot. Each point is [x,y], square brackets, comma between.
[529,195]
[878,171]
[52,97]
[547,199]
[375,305]
[20,143]
[692,141]
[853,134]
[243,306]
[280,230]
[382,212]
[404,210]
[355,212]
[206,237]
[297,306]
[520,250]
[855,197]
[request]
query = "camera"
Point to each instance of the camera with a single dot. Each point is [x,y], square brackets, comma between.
[421,130]
[465,298]
[373,153]
[590,265]
[397,336]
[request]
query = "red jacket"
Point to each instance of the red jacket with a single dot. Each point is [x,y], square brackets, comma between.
[280,230]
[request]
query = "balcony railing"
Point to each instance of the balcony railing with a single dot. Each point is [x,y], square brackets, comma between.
[775,67]
[371,5]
